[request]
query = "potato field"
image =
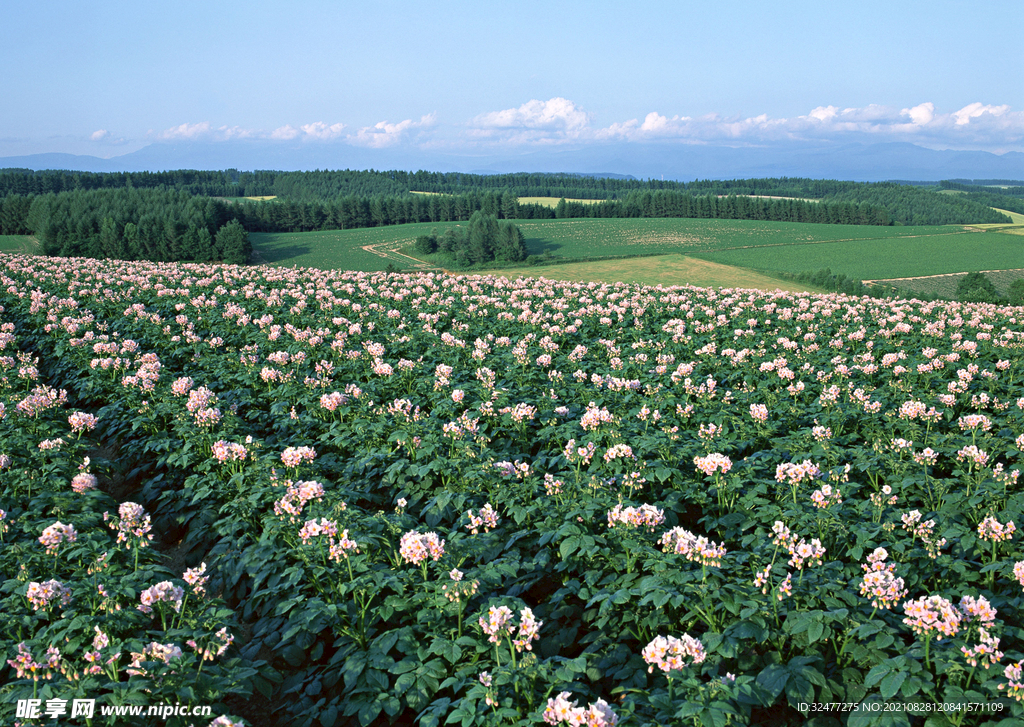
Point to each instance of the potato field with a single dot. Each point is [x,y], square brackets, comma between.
[324,498]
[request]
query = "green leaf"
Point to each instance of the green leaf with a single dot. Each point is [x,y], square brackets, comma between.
[814,631]
[773,679]
[569,546]
[892,683]
[329,716]
[876,674]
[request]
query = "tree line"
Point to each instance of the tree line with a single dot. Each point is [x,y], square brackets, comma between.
[163,216]
[162,225]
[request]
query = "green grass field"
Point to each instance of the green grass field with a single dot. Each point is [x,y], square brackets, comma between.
[19,243]
[863,252]
[877,259]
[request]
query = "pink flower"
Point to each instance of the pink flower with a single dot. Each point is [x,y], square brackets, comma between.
[930,615]
[487,518]
[294,456]
[417,547]
[83,482]
[992,529]
[671,654]
[80,421]
[713,463]
[57,534]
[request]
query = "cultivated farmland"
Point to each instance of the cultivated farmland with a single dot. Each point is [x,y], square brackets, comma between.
[734,242]
[907,255]
[657,270]
[430,499]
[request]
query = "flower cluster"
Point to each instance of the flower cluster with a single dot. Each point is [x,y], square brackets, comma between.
[221,641]
[759,413]
[498,623]
[83,482]
[80,421]
[133,522]
[487,518]
[26,667]
[972,455]
[579,455]
[971,422]
[296,497]
[1014,674]
[880,582]
[986,651]
[313,529]
[294,456]
[645,516]
[992,529]
[826,497]
[43,595]
[200,405]
[793,473]
[459,589]
[228,451]
[923,529]
[332,401]
[154,652]
[517,469]
[713,463]
[977,609]
[619,451]
[932,614]
[597,714]
[552,486]
[695,548]
[197,578]
[164,592]
[417,547]
[883,498]
[671,654]
[56,535]
[594,417]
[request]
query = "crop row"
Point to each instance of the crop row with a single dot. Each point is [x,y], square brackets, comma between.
[464,500]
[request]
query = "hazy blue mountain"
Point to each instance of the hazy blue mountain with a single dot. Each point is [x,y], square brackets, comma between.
[859,162]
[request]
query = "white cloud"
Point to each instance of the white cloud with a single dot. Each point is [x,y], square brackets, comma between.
[235,132]
[321,131]
[555,113]
[284,133]
[974,126]
[99,135]
[385,134]
[554,120]
[920,114]
[185,131]
[824,113]
[976,110]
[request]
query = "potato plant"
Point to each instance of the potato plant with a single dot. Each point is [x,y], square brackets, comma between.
[468,500]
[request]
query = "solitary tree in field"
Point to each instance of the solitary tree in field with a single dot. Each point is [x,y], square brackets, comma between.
[976,288]
[233,243]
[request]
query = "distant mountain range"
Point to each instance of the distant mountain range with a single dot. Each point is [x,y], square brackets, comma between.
[855,162]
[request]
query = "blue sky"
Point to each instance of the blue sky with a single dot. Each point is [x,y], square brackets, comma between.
[107,78]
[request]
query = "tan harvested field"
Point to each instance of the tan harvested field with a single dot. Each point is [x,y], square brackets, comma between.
[553,201]
[1018,219]
[545,201]
[658,270]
